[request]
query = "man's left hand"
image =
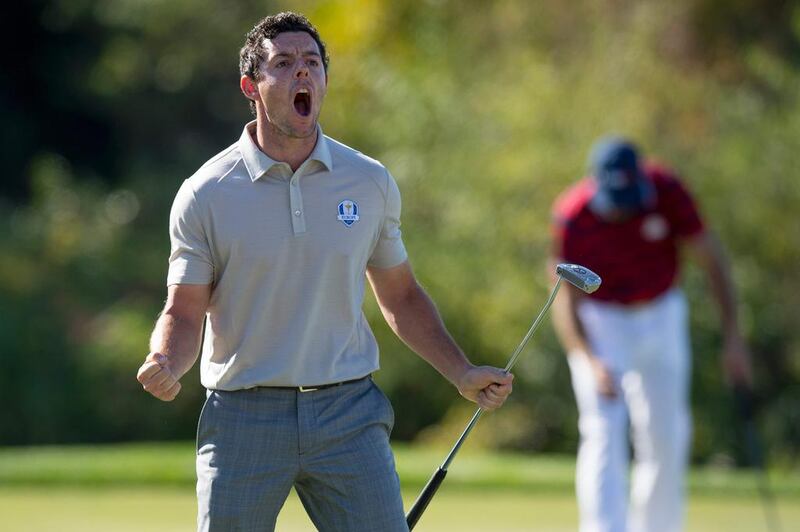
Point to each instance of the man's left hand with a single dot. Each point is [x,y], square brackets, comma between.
[736,362]
[487,386]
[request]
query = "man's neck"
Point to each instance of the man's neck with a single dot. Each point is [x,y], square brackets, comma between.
[290,150]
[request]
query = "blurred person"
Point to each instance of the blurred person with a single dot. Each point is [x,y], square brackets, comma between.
[271,242]
[628,343]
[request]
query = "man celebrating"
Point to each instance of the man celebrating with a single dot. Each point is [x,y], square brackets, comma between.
[272,240]
[628,343]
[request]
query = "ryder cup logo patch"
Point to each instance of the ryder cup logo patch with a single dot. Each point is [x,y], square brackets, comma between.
[348,212]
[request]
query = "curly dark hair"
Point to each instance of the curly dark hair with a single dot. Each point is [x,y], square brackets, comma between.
[252,52]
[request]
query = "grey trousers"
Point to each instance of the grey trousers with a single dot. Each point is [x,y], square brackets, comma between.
[332,445]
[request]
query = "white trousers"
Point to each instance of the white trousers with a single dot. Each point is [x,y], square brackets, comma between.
[647,349]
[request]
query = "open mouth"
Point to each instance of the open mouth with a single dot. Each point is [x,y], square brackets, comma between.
[302,102]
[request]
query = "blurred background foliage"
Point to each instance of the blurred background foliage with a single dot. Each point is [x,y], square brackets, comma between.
[483,111]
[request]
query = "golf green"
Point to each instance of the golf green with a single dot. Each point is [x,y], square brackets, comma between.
[64,509]
[136,487]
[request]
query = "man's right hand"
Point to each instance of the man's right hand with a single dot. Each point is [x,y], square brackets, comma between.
[604,378]
[157,378]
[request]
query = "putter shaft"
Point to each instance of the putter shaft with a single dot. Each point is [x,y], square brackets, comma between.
[511,362]
[438,476]
[581,277]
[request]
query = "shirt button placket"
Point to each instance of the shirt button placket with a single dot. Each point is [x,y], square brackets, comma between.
[296,204]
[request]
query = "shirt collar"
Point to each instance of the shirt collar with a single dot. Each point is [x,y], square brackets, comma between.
[258,163]
[321,152]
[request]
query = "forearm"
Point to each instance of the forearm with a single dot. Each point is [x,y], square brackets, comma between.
[722,290]
[177,338]
[709,255]
[566,323]
[416,321]
[736,356]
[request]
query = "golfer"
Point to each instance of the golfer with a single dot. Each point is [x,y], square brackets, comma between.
[272,240]
[628,343]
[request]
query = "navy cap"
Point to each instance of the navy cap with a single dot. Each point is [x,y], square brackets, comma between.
[621,185]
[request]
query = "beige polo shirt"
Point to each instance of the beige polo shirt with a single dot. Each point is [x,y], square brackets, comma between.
[287,255]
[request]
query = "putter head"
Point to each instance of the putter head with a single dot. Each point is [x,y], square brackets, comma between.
[577,275]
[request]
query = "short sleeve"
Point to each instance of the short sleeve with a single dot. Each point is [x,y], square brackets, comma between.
[389,250]
[682,210]
[190,257]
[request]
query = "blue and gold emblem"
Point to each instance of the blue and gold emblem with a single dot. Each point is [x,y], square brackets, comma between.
[348,212]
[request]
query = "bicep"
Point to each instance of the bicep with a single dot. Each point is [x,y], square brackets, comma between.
[392,285]
[188,301]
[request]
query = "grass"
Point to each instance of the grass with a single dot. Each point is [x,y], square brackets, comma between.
[151,487]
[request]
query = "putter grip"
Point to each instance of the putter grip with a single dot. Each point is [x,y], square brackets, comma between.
[425,497]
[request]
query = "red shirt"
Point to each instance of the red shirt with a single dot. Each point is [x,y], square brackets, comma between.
[636,258]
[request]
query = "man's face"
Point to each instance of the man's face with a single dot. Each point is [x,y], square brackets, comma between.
[292,84]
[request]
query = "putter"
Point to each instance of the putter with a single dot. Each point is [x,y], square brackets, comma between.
[581,277]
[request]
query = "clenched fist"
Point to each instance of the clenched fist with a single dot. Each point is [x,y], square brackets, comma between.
[485,385]
[157,378]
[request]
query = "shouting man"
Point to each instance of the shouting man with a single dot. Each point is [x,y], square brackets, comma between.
[272,240]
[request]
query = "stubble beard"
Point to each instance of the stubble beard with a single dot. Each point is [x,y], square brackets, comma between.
[284,128]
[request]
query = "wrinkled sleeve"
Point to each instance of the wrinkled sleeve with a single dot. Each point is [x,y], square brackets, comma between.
[390,250]
[190,256]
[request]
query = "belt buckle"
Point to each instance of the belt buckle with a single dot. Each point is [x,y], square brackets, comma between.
[304,389]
